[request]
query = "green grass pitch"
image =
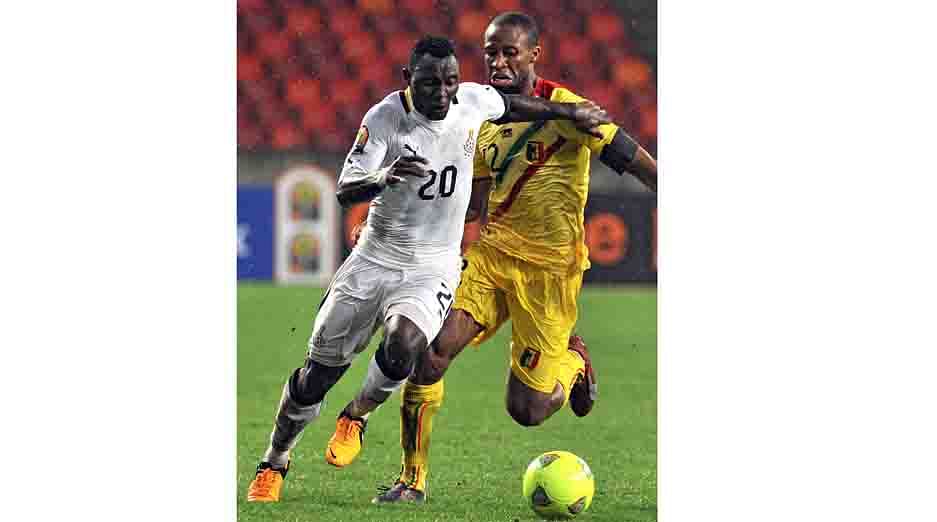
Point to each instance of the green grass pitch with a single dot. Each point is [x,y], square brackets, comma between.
[478,453]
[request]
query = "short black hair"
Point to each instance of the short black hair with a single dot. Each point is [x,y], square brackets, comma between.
[518,19]
[436,46]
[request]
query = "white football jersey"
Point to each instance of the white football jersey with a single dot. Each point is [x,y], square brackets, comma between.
[420,220]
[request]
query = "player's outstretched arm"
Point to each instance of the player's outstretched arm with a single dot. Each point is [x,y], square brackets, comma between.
[623,154]
[585,115]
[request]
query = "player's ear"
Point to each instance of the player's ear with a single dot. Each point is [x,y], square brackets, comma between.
[406,74]
[535,53]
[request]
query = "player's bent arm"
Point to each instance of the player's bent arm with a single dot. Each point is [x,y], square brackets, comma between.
[623,154]
[362,178]
[478,203]
[357,184]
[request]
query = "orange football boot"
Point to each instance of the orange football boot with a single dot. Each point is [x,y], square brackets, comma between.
[267,483]
[345,443]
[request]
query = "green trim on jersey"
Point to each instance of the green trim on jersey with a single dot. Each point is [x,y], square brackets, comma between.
[516,148]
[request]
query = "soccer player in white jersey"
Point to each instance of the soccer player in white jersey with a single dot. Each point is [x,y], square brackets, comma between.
[413,159]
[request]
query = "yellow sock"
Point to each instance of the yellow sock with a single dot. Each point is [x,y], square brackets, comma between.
[569,371]
[419,405]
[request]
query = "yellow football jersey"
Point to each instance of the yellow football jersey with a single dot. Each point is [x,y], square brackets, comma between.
[540,173]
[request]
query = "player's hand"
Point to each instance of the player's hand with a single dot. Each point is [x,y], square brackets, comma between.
[356,232]
[407,166]
[587,116]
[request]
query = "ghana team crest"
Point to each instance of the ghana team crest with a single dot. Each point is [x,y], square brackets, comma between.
[469,146]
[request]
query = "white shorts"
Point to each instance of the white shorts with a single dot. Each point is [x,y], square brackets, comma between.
[364,294]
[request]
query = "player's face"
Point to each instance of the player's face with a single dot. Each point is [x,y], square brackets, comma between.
[433,83]
[509,58]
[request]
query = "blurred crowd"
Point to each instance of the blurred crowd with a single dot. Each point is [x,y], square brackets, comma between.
[308,71]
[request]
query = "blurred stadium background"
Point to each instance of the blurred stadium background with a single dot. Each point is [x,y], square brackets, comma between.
[308,71]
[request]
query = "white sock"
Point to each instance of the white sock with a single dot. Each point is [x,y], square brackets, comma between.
[376,385]
[368,414]
[276,458]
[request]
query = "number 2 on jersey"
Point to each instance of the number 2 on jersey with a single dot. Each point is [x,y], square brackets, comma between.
[446,183]
[445,300]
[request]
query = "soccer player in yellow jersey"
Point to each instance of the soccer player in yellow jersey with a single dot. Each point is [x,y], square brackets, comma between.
[529,261]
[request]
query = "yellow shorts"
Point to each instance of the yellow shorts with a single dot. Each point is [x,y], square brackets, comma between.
[542,305]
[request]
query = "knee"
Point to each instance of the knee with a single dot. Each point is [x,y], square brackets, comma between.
[397,354]
[526,413]
[399,347]
[308,385]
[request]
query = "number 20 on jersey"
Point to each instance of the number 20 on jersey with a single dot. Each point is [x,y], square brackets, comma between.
[446,179]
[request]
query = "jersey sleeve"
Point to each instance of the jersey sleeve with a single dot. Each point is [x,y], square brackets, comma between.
[568,130]
[480,170]
[485,98]
[369,152]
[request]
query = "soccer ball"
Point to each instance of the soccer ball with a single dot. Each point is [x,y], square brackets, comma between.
[558,485]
